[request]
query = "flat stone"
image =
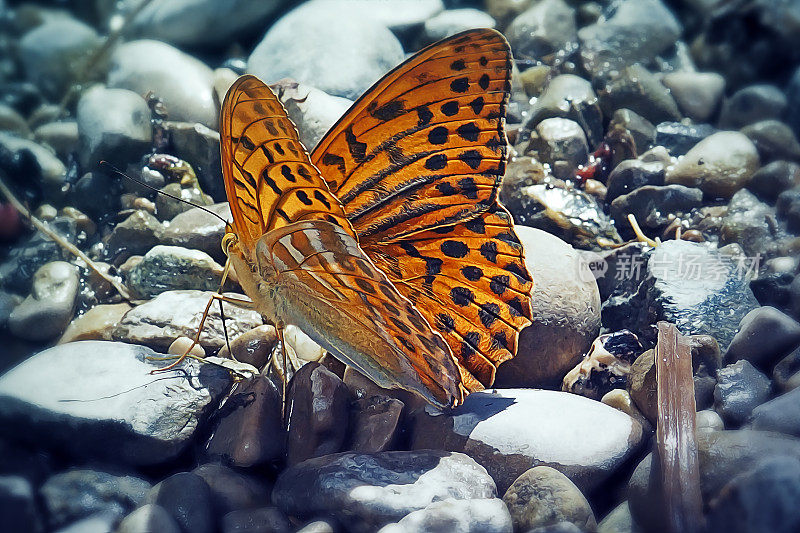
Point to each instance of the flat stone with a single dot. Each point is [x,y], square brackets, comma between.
[101,402]
[168,268]
[631,174]
[97,323]
[512,430]
[174,314]
[376,424]
[28,160]
[136,234]
[774,178]
[62,137]
[751,104]
[45,313]
[452,21]
[774,140]
[572,97]
[678,138]
[652,205]
[367,491]
[787,372]
[199,230]
[636,88]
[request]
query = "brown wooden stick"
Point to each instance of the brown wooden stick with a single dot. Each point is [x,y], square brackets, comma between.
[675,432]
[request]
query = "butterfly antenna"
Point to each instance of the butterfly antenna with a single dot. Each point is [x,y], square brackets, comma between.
[159,191]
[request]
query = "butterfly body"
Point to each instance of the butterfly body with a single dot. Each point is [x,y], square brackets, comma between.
[386,244]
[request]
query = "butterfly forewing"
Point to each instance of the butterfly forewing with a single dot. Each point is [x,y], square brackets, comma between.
[416,163]
[269,178]
[426,145]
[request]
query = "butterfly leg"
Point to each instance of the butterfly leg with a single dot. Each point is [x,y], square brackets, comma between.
[214,296]
[282,372]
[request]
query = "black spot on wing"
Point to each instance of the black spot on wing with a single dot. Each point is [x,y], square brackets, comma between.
[461,296]
[358,150]
[387,111]
[469,131]
[287,173]
[472,273]
[477,105]
[468,188]
[489,313]
[424,114]
[455,249]
[476,225]
[459,85]
[334,160]
[499,284]
[436,162]
[450,108]
[484,82]
[365,286]
[303,197]
[445,323]
[438,135]
[457,65]
[489,251]
[472,158]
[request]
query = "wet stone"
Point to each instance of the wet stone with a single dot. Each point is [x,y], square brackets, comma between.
[787,372]
[198,145]
[740,389]
[452,21]
[560,140]
[79,493]
[749,223]
[545,31]
[512,430]
[640,129]
[631,174]
[781,414]
[605,367]
[168,208]
[232,490]
[572,97]
[543,496]
[136,234]
[266,519]
[249,430]
[637,89]
[152,422]
[97,323]
[50,307]
[367,491]
[25,161]
[652,205]
[253,347]
[188,499]
[679,138]
[788,209]
[12,121]
[62,137]
[199,230]
[697,93]
[319,404]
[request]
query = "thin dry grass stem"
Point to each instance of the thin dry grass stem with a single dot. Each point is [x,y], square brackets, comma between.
[61,241]
[640,236]
[675,432]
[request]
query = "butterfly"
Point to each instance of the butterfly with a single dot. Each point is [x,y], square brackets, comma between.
[386,244]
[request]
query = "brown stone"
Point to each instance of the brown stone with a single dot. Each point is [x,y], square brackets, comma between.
[642,385]
[376,424]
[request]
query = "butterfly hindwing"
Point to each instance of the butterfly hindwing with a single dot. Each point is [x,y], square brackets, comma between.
[416,163]
[269,178]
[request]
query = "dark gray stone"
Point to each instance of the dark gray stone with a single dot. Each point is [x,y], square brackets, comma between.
[740,389]
[636,88]
[749,223]
[631,174]
[102,403]
[781,414]
[232,490]
[679,138]
[76,494]
[376,424]
[136,234]
[263,520]
[199,230]
[543,32]
[788,209]
[572,97]
[652,205]
[774,140]
[167,268]
[18,511]
[762,499]
[787,372]
[765,335]
[774,178]
[188,499]
[640,129]
[367,491]
[752,104]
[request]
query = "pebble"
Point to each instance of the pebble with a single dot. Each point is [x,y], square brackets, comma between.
[135,235]
[740,389]
[486,515]
[642,385]
[697,94]
[45,313]
[101,522]
[168,268]
[636,88]
[619,520]
[304,347]
[760,499]
[177,313]
[152,422]
[313,111]
[168,208]
[652,206]
[198,230]
[21,96]
[368,491]
[232,490]
[79,493]
[560,140]
[565,301]
[62,137]
[788,208]
[18,508]
[319,403]
[639,128]
[184,84]
[708,420]
[572,97]
[781,414]
[341,59]
[546,31]
[509,431]
[12,121]
[185,345]
[774,178]
[148,518]
[253,347]
[202,23]
[54,54]
[752,104]
[97,323]
[678,138]
[376,424]
[267,519]
[96,194]
[28,161]
[720,164]
[774,140]
[113,125]
[188,499]
[198,145]
[765,336]
[605,367]
[250,429]
[750,224]
[543,496]
[452,21]
[631,31]
[786,373]
[631,174]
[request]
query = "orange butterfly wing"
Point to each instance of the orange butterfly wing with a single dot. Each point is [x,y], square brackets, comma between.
[291,226]
[416,162]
